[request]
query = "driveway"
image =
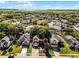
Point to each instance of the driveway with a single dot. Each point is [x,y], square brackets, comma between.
[56,54]
[23,52]
[35,52]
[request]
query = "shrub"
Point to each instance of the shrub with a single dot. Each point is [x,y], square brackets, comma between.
[10,49]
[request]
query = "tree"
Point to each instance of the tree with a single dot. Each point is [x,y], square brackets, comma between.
[11,29]
[2,34]
[46,45]
[69,30]
[41,31]
[76,34]
[60,44]
[10,49]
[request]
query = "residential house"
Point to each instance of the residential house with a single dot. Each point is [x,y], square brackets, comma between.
[72,42]
[76,27]
[26,20]
[55,24]
[6,42]
[54,41]
[36,41]
[24,40]
[70,39]
[64,23]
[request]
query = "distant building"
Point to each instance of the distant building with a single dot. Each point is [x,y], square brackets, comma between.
[58,24]
[64,23]
[55,24]
[26,20]
[76,27]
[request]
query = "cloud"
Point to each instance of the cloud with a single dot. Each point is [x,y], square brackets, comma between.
[2,2]
[76,6]
[29,4]
[25,4]
[60,7]
[51,7]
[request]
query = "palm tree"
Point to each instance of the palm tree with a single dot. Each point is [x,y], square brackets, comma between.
[46,45]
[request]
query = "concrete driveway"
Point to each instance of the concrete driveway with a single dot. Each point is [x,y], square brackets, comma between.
[35,52]
[23,52]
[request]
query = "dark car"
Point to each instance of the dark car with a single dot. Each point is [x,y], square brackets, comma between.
[11,56]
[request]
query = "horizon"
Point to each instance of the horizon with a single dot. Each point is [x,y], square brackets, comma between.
[40,5]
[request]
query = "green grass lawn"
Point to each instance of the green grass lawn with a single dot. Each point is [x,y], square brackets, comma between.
[51,52]
[29,50]
[66,49]
[16,49]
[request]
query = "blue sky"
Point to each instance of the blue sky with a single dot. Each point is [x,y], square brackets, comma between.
[39,4]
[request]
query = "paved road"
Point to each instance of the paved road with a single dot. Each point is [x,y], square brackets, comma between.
[3,56]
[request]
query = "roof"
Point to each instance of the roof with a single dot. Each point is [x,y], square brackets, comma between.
[70,39]
[6,42]
[25,38]
[64,20]
[54,39]
[76,26]
[7,39]
[55,24]
[36,38]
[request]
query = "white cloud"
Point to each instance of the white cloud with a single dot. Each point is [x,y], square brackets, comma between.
[76,6]
[3,2]
[29,4]
[51,7]
[26,4]
[60,7]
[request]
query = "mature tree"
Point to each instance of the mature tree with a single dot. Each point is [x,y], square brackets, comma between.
[11,29]
[41,31]
[76,34]
[2,34]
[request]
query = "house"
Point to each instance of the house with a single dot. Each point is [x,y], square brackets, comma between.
[58,24]
[72,42]
[36,41]
[6,42]
[70,39]
[26,20]
[76,27]
[64,23]
[54,41]
[24,40]
[77,47]
[55,24]
[39,22]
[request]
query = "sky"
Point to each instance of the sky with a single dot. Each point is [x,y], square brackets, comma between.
[36,5]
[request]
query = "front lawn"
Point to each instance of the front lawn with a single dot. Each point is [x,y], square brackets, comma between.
[29,50]
[16,49]
[51,52]
[66,49]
